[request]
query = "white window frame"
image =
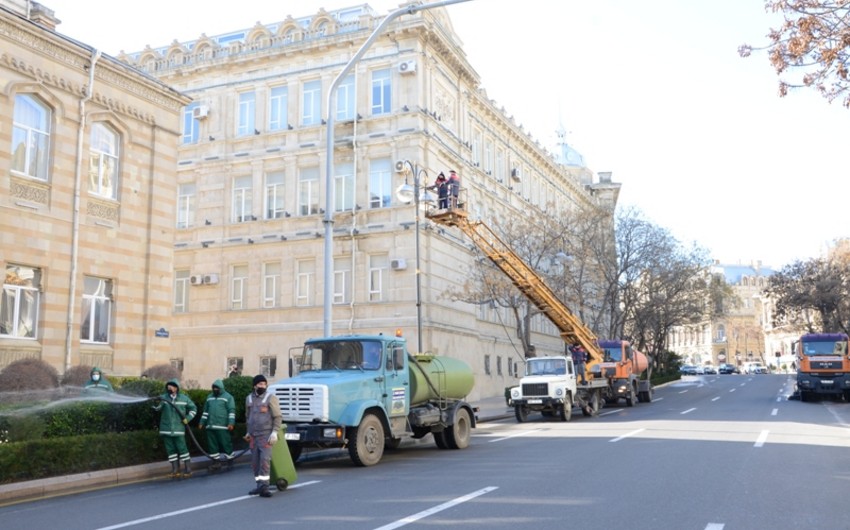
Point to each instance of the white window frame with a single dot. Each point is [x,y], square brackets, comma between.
[305,272]
[344,187]
[278,108]
[30,152]
[308,191]
[181,291]
[380,183]
[242,199]
[378,267]
[20,300]
[191,125]
[186,205]
[311,108]
[271,281]
[382,91]
[342,280]
[247,113]
[238,286]
[103,160]
[97,309]
[345,99]
[274,205]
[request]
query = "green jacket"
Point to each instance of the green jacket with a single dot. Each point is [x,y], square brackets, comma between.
[101,385]
[219,411]
[171,421]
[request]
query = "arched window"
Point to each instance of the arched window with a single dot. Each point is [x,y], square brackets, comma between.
[30,136]
[103,161]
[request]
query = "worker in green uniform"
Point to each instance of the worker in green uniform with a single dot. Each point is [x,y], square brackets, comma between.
[97,382]
[219,419]
[178,410]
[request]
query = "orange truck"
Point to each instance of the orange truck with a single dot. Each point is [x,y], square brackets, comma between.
[823,367]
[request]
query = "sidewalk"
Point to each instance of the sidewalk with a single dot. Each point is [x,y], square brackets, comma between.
[489,409]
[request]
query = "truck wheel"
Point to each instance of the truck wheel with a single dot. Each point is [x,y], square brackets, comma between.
[457,435]
[594,402]
[366,444]
[294,451]
[440,440]
[521,413]
[566,410]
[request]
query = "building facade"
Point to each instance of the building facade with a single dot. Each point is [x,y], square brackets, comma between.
[252,182]
[87,195]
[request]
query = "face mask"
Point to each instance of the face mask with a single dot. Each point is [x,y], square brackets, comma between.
[95,377]
[172,391]
[260,390]
[216,391]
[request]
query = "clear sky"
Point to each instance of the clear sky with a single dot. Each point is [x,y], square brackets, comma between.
[653,91]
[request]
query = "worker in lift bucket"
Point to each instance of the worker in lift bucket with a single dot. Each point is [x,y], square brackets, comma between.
[579,360]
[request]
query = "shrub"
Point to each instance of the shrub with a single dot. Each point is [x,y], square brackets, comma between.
[77,375]
[239,387]
[162,372]
[28,374]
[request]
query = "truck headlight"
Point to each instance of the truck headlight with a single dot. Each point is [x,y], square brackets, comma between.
[559,392]
[515,393]
[332,432]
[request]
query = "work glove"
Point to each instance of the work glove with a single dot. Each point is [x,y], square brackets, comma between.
[185,421]
[273,438]
[247,437]
[201,426]
[230,427]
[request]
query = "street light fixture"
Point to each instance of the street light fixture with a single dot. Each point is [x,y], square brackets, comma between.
[405,193]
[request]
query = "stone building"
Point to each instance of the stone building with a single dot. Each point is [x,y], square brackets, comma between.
[87,198]
[249,260]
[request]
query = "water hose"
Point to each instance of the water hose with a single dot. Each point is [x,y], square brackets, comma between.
[197,444]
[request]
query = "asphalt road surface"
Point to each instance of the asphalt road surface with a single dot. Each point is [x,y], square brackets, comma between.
[709,453]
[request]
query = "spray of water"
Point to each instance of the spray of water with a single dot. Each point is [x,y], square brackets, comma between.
[34,401]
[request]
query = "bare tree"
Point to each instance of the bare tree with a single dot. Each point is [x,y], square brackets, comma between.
[812,43]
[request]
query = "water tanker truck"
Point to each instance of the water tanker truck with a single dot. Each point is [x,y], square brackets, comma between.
[367,393]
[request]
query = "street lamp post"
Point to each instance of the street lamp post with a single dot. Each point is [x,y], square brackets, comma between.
[405,194]
[328,220]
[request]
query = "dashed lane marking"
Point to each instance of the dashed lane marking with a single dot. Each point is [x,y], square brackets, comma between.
[687,411]
[761,439]
[436,509]
[627,435]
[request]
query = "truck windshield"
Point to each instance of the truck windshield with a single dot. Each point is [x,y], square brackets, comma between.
[342,355]
[613,354]
[546,367]
[827,347]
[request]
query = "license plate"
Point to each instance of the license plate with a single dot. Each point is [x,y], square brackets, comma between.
[826,382]
[292,436]
[535,401]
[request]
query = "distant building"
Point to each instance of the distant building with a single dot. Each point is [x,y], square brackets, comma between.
[250,191]
[88,157]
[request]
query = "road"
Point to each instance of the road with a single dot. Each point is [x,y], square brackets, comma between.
[710,453]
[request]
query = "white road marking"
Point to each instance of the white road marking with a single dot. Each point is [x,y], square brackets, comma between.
[715,399]
[779,399]
[683,391]
[655,399]
[521,433]
[715,526]
[742,384]
[761,439]
[628,434]
[686,411]
[732,390]
[774,412]
[436,509]
[610,412]
[195,508]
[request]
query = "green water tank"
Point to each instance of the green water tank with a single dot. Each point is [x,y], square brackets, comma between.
[450,378]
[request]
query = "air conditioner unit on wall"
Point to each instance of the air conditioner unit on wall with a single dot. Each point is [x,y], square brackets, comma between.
[407,67]
[200,112]
[196,279]
[210,279]
[398,264]
[399,166]
[516,174]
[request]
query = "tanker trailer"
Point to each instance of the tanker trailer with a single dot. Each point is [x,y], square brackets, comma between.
[622,366]
[367,393]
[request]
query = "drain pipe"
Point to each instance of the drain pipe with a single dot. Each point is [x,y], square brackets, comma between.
[75,224]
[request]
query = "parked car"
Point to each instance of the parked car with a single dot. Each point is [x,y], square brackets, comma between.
[728,369]
[700,370]
[759,369]
[709,370]
[688,369]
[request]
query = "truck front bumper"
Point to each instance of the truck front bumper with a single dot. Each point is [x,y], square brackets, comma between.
[824,384]
[315,434]
[542,402]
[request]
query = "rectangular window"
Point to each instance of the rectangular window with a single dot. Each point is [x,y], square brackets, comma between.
[342,280]
[30,136]
[381,92]
[476,148]
[500,166]
[247,111]
[274,195]
[235,362]
[177,364]
[238,286]
[308,191]
[97,310]
[345,107]
[19,302]
[186,206]
[380,183]
[498,365]
[487,163]
[378,266]
[311,107]
[181,291]
[191,125]
[242,200]
[268,366]
[271,283]
[278,113]
[487,364]
[344,187]
[304,282]
[103,161]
